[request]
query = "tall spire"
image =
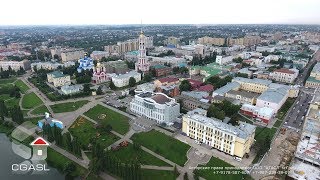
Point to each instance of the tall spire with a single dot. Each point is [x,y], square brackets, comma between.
[141,32]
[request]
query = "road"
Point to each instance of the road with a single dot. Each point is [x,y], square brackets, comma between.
[303,76]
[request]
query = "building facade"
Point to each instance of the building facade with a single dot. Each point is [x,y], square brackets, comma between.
[58,79]
[314,78]
[284,75]
[233,140]
[156,106]
[123,79]
[71,55]
[15,65]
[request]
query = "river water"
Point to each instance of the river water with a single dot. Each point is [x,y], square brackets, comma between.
[8,157]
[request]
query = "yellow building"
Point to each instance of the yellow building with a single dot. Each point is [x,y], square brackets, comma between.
[58,79]
[206,40]
[233,140]
[253,85]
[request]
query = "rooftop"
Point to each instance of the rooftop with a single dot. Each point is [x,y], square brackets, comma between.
[301,170]
[284,70]
[254,81]
[224,89]
[244,130]
[168,80]
[195,94]
[244,93]
[273,95]
[57,74]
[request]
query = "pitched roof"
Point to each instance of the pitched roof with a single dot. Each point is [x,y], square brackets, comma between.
[283,70]
[39,142]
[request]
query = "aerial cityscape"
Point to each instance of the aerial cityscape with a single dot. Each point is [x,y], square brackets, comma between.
[184,100]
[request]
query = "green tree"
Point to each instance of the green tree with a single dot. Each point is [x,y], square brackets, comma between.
[16,114]
[99,91]
[112,86]
[185,86]
[215,112]
[86,88]
[185,176]
[66,138]
[69,167]
[3,108]
[132,81]
[147,78]
[244,75]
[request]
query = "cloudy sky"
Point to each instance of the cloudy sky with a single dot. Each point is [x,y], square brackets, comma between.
[48,12]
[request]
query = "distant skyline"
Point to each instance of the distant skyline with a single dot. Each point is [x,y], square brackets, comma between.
[80,12]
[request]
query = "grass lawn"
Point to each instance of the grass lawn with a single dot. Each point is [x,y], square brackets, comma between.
[68,107]
[168,147]
[260,135]
[84,130]
[148,174]
[34,120]
[40,110]
[118,121]
[9,101]
[7,81]
[58,161]
[277,123]
[22,86]
[129,154]
[30,101]
[209,173]
[284,109]
[5,128]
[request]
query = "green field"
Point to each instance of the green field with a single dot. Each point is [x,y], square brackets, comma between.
[209,173]
[10,101]
[68,107]
[84,130]
[58,161]
[277,124]
[34,120]
[129,154]
[118,121]
[7,81]
[166,146]
[148,174]
[284,109]
[30,101]
[22,86]
[40,110]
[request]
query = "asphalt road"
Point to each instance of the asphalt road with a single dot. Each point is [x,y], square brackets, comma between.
[303,75]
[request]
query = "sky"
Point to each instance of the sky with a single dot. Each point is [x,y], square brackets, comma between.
[80,12]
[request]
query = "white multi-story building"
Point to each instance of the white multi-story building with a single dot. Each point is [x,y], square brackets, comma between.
[50,65]
[66,89]
[58,79]
[156,106]
[223,60]
[233,140]
[284,75]
[15,65]
[265,49]
[123,79]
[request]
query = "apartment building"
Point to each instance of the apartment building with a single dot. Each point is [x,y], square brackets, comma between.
[156,106]
[72,54]
[284,75]
[98,55]
[206,40]
[58,79]
[233,140]
[314,78]
[15,65]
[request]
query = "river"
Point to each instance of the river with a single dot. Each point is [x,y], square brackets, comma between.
[8,157]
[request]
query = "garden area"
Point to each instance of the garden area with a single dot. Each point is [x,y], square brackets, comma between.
[148,174]
[209,173]
[30,101]
[22,86]
[263,137]
[68,107]
[85,131]
[130,153]
[103,115]
[284,109]
[166,146]
[40,110]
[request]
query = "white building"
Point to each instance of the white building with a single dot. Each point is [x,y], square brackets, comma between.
[263,114]
[223,60]
[265,49]
[156,106]
[50,65]
[66,89]
[58,79]
[15,65]
[284,75]
[123,79]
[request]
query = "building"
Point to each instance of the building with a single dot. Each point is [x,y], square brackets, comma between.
[128,46]
[98,55]
[244,97]
[273,98]
[118,67]
[167,81]
[99,74]
[314,78]
[172,41]
[156,106]
[161,70]
[211,41]
[71,54]
[50,65]
[262,114]
[85,63]
[246,41]
[284,75]
[233,140]
[123,79]
[194,99]
[67,89]
[223,60]
[206,88]
[15,65]
[265,49]
[142,64]
[145,87]
[171,91]
[58,79]
[195,84]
